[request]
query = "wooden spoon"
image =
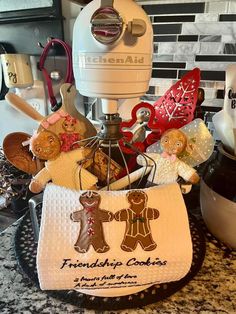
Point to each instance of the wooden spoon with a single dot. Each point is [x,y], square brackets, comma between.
[20,156]
[21,105]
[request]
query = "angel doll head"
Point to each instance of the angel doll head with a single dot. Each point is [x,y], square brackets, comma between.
[173,142]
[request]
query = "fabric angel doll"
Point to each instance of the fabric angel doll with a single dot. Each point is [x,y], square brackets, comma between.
[168,167]
[61,168]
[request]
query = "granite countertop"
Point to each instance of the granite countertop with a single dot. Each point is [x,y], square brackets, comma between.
[213,290]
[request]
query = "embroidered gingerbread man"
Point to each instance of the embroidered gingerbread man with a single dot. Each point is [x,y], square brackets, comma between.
[69,137]
[137,218]
[91,218]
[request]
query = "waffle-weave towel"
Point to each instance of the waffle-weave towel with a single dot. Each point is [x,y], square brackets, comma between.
[112,239]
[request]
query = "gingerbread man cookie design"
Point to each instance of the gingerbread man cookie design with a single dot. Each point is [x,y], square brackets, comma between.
[137,218]
[91,218]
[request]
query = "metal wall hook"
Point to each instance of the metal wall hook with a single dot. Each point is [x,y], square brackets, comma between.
[48,40]
[40,45]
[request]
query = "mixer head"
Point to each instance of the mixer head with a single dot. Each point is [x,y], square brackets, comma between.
[112,51]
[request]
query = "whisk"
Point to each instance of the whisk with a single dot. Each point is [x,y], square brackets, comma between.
[108,139]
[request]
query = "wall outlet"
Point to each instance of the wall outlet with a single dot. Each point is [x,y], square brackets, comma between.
[39,105]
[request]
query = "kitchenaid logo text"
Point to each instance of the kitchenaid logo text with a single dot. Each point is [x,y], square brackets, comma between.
[111,60]
[232,96]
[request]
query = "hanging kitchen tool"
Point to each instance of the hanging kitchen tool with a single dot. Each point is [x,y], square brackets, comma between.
[48,79]
[68,94]
[55,74]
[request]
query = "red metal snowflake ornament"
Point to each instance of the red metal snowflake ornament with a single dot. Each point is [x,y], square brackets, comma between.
[176,108]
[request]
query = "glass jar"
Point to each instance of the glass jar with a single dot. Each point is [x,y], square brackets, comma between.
[218,197]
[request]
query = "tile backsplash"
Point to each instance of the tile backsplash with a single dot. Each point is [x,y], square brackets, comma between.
[190,34]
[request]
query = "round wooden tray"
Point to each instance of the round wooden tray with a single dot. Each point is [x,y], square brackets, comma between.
[26,249]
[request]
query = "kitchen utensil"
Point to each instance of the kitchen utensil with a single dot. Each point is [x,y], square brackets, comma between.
[19,155]
[143,114]
[21,105]
[223,127]
[68,94]
[55,74]
[225,120]
[176,108]
[231,98]
[69,73]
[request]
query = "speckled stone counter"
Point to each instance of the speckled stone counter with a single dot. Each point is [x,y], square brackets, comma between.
[213,290]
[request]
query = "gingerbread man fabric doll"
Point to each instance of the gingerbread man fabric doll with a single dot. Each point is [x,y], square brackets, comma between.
[91,218]
[69,138]
[137,218]
[168,166]
[61,168]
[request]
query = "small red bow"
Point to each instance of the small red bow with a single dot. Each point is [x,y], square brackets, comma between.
[90,209]
[172,157]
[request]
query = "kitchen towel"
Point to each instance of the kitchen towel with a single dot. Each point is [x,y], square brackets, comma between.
[98,240]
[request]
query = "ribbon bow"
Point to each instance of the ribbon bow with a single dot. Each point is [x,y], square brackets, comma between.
[54,118]
[135,219]
[90,209]
[172,157]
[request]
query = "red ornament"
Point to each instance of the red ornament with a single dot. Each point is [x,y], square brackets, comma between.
[176,108]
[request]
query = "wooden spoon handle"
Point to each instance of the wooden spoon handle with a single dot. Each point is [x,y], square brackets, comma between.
[21,105]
